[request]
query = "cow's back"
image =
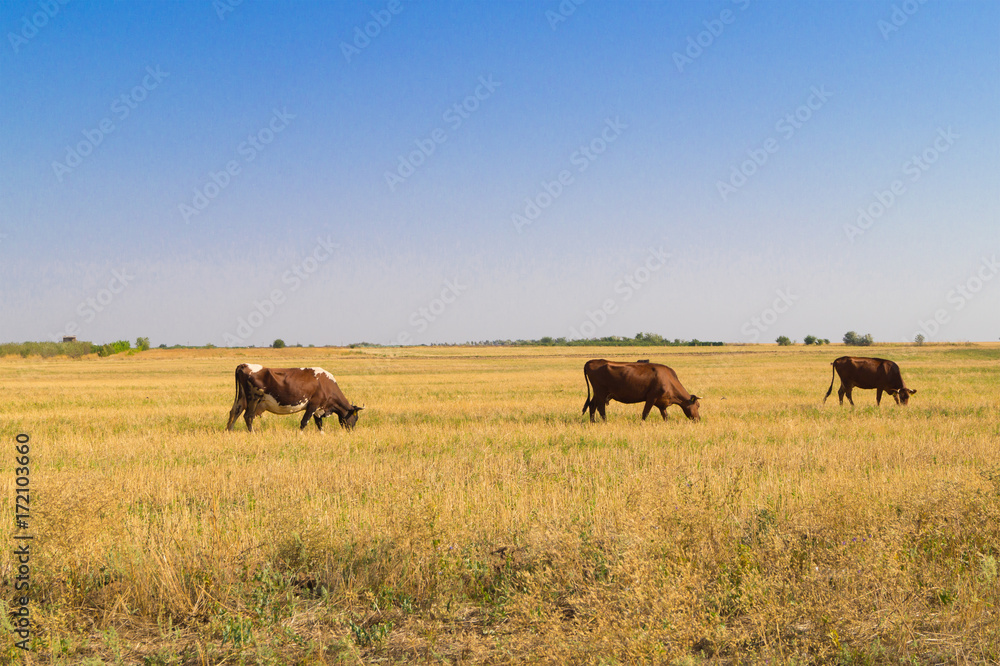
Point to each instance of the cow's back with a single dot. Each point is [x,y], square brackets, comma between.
[627,382]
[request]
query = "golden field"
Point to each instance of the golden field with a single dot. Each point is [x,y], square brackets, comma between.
[474,515]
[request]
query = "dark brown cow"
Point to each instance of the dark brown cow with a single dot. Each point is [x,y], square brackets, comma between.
[651,383]
[290,390]
[869,373]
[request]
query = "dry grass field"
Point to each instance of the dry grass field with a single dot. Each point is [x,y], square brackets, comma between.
[476,516]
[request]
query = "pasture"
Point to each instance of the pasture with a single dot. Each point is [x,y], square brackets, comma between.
[474,515]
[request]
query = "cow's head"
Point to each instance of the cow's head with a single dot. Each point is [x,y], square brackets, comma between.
[691,408]
[904,395]
[349,419]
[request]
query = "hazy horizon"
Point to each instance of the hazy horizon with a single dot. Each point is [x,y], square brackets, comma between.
[391,172]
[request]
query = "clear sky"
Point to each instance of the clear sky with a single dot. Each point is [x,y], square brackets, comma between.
[391,171]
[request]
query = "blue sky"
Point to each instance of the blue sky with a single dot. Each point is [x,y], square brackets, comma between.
[424,172]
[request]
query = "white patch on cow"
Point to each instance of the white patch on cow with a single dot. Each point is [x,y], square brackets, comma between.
[267,402]
[321,371]
[254,368]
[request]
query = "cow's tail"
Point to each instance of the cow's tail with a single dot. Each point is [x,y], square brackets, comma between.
[239,402]
[833,376]
[586,379]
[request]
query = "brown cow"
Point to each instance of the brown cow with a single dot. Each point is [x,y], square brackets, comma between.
[869,373]
[651,383]
[290,390]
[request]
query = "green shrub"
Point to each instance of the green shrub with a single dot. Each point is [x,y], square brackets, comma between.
[116,347]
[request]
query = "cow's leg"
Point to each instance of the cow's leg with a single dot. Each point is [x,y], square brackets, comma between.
[234,414]
[596,403]
[878,397]
[646,408]
[840,394]
[319,422]
[250,413]
[600,407]
[848,393]
[305,418]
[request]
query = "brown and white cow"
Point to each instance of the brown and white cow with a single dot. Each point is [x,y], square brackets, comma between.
[290,390]
[868,373]
[651,383]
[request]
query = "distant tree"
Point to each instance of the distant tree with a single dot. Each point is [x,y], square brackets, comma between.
[142,344]
[852,338]
[811,340]
[826,341]
[783,341]
[278,344]
[919,340]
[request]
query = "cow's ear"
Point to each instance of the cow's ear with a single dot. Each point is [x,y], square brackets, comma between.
[356,408]
[912,391]
[693,399]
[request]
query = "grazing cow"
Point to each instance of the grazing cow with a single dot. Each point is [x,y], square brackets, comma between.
[868,373]
[651,383]
[290,390]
